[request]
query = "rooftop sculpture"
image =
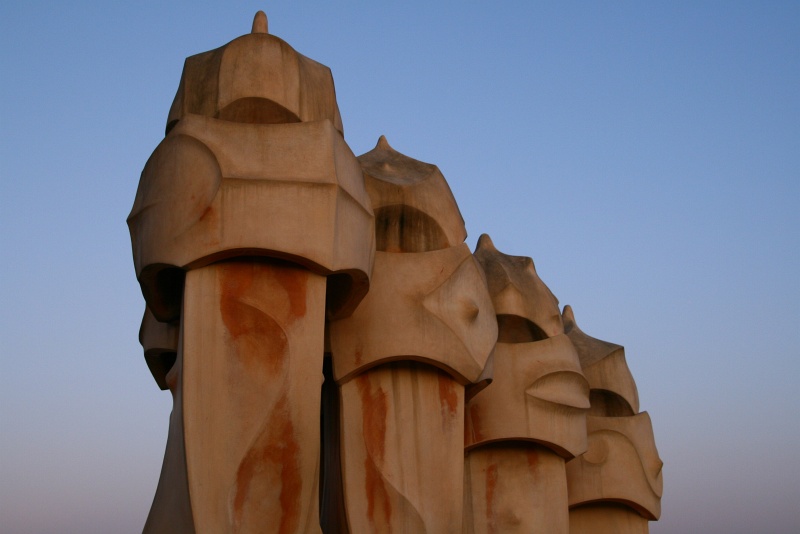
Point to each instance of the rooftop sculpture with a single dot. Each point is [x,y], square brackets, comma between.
[339,361]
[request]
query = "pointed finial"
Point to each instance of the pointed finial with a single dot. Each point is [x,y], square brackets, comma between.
[569,318]
[260,23]
[485,243]
[383,143]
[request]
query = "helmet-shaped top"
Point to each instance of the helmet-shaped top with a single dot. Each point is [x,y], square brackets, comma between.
[415,210]
[256,78]
[518,294]
[613,390]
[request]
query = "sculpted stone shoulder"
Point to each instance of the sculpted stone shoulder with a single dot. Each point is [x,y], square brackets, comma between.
[430,306]
[215,189]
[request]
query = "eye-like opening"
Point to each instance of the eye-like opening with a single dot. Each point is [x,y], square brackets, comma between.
[401,228]
[606,403]
[516,329]
[162,288]
[255,110]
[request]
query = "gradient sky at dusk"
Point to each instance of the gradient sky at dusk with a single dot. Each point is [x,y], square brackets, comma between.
[646,155]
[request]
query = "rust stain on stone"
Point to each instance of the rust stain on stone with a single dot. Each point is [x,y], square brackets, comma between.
[448,396]
[257,337]
[373,421]
[295,282]
[491,485]
[208,211]
[275,450]
[475,423]
[533,459]
[285,444]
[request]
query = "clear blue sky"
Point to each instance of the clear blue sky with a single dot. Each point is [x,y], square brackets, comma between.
[645,154]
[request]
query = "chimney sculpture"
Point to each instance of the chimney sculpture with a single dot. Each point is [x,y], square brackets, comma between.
[328,338]
[523,427]
[423,332]
[615,486]
[251,222]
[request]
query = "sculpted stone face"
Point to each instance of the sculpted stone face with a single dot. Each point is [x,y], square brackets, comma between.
[428,299]
[522,427]
[430,306]
[251,224]
[538,385]
[621,465]
[540,392]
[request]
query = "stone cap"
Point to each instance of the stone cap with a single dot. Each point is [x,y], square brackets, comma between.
[415,210]
[605,368]
[256,78]
[517,290]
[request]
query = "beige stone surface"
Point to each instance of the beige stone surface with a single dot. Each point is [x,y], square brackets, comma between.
[215,189]
[171,510]
[253,168]
[403,358]
[515,489]
[248,400]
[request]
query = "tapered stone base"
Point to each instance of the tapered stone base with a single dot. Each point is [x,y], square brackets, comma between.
[606,518]
[402,440]
[248,401]
[515,487]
